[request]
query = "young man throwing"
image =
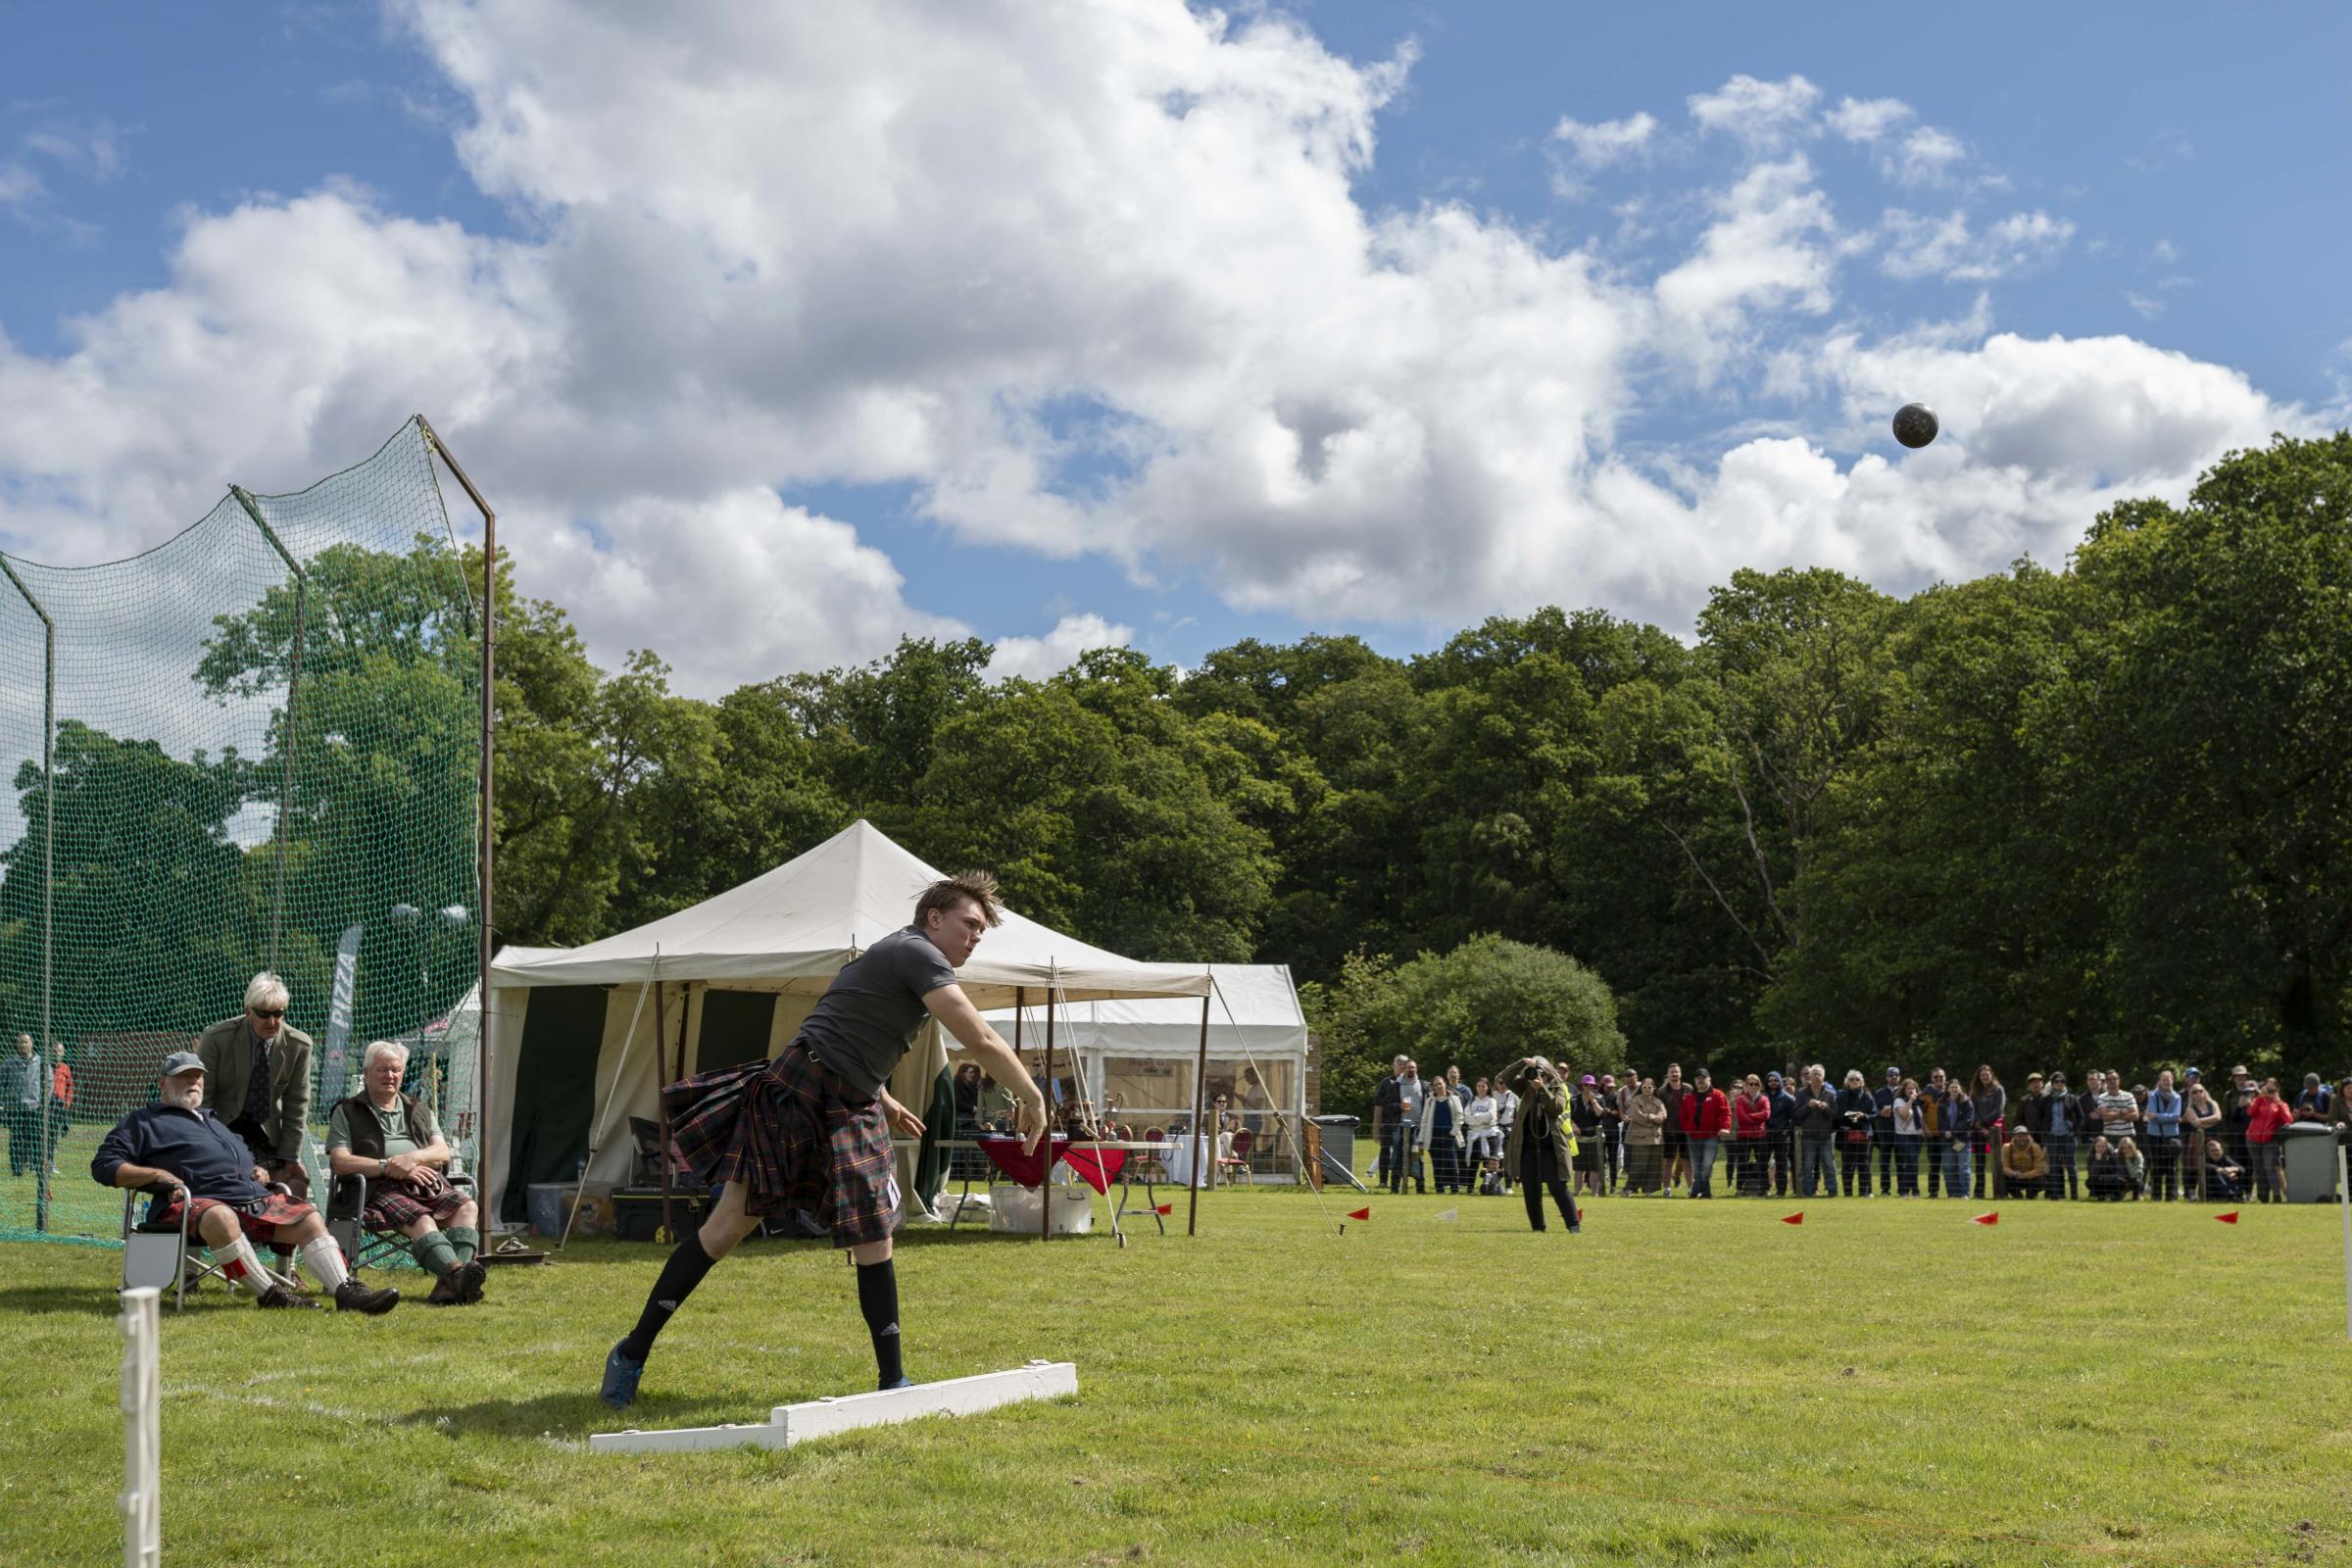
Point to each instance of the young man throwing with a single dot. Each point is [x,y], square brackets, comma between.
[812,1129]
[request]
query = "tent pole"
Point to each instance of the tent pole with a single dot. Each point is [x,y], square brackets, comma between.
[1045,1187]
[661,1106]
[487,845]
[1201,1151]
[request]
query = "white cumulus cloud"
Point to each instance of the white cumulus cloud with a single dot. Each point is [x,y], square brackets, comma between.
[1763,114]
[1590,147]
[1083,279]
[1950,247]
[1037,657]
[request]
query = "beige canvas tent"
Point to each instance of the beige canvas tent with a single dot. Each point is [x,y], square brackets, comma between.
[1143,1051]
[580,1038]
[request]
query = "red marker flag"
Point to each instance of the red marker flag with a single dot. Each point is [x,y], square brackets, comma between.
[1993,1218]
[1360,1213]
[1798,1218]
[2230,1218]
[1166,1208]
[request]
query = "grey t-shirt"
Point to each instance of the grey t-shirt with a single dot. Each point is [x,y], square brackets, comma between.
[869,1016]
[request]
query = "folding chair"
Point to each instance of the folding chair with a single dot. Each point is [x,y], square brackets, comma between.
[155,1252]
[347,1201]
[646,1134]
[1237,1163]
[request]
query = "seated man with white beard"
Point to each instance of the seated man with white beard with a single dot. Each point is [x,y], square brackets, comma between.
[188,1156]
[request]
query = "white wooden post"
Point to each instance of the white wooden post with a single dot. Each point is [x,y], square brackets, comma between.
[2343,1200]
[142,1429]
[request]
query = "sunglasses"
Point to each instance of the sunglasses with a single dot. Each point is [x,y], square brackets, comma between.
[268,1012]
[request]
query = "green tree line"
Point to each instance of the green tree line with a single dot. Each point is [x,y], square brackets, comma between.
[2095,814]
[2098,814]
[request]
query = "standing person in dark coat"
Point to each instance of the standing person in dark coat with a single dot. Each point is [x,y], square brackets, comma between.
[1855,1108]
[1882,1128]
[1677,1146]
[2062,1125]
[1613,1133]
[1988,1105]
[1816,1132]
[1584,1119]
[1388,1115]
[1956,1124]
[1779,1136]
[1537,1157]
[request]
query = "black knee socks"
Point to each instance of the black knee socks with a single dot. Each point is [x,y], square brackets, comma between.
[878,1299]
[679,1276]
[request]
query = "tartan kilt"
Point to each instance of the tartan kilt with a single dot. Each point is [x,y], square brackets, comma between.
[259,1220]
[395,1206]
[795,1137]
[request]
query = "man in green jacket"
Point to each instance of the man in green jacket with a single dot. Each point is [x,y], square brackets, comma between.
[257,1079]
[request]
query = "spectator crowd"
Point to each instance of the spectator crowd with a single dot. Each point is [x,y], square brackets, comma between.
[1772,1136]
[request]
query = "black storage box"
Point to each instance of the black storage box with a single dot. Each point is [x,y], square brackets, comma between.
[637,1212]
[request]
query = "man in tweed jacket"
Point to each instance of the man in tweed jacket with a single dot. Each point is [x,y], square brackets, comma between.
[257,1079]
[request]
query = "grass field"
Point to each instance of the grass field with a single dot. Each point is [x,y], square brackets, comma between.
[1682,1383]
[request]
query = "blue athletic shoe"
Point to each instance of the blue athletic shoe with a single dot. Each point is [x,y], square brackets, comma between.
[621,1379]
[900,1382]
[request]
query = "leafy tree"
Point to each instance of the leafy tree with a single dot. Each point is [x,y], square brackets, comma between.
[1115,836]
[1944,912]
[1481,1007]
[384,745]
[875,725]
[157,925]
[2198,743]
[755,800]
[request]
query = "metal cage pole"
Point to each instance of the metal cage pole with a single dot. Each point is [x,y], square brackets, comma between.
[489,820]
[285,798]
[40,1220]
[1045,1187]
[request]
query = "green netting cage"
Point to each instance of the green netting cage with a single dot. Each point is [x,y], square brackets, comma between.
[257,746]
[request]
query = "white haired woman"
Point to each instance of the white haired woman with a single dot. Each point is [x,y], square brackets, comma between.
[394,1141]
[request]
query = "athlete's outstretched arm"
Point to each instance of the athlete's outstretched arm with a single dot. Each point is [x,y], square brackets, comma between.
[957,1014]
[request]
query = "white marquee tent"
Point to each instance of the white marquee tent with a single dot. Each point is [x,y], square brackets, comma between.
[1144,1052]
[574,1031]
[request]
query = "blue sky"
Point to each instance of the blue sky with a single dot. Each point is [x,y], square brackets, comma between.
[1049,388]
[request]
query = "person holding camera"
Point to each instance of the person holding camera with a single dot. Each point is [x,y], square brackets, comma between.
[1540,1147]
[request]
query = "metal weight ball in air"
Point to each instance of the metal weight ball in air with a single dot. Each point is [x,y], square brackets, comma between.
[1915,424]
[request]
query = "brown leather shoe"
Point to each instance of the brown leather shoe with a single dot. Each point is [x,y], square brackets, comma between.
[278,1296]
[353,1297]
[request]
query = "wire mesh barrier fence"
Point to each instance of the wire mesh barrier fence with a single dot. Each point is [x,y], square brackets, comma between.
[1795,1166]
[257,746]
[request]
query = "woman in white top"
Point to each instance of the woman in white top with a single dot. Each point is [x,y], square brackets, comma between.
[1506,1111]
[1906,1140]
[1484,1124]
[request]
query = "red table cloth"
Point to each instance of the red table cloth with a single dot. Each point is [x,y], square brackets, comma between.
[1096,1168]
